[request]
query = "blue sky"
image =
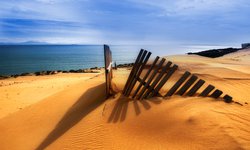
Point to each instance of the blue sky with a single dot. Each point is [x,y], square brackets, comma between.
[187,22]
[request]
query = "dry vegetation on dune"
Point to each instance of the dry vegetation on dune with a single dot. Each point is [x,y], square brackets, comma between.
[78,117]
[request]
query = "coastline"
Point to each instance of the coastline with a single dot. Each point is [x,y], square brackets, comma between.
[212,53]
[49,72]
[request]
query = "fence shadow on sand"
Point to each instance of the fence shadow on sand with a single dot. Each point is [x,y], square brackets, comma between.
[90,100]
[123,103]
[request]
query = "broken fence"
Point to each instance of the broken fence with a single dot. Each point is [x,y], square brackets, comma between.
[157,76]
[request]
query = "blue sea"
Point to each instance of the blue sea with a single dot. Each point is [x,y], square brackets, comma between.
[17,59]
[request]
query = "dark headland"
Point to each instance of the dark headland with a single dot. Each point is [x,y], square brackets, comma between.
[213,53]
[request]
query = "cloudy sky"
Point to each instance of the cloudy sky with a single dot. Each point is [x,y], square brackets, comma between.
[194,22]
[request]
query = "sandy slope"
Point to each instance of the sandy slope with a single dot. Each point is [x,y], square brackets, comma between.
[17,93]
[79,118]
[27,128]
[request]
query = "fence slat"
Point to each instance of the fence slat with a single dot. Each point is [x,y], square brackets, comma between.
[208,89]
[195,88]
[137,66]
[158,78]
[186,86]
[227,98]
[144,83]
[164,80]
[131,86]
[216,94]
[146,76]
[151,78]
[178,83]
[133,70]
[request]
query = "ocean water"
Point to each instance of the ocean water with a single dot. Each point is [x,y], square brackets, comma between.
[17,59]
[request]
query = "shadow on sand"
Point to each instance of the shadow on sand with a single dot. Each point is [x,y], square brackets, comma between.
[90,100]
[120,109]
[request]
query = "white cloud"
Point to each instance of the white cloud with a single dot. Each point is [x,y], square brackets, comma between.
[129,21]
[58,1]
[42,9]
[42,12]
[84,36]
[192,7]
[46,1]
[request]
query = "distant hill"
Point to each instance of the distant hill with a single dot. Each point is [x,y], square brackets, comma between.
[25,43]
[34,43]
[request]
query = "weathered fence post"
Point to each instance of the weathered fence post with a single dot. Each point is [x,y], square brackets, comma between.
[108,69]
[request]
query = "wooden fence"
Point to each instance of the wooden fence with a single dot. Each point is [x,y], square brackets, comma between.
[158,74]
[108,69]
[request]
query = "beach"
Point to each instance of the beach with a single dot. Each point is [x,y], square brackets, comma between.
[69,110]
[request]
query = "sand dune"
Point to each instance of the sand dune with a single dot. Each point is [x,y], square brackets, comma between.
[78,117]
[17,93]
[56,114]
